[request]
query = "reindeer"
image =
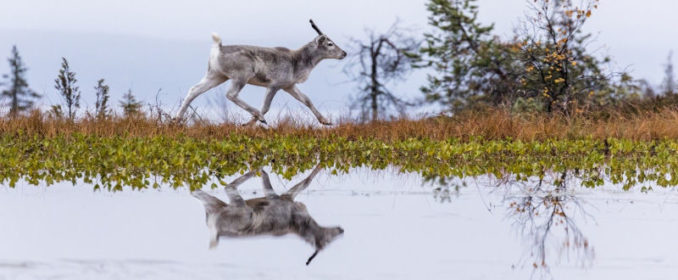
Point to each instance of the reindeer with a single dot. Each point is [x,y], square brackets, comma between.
[269,215]
[272,68]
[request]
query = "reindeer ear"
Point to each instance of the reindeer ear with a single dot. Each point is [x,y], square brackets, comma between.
[320,39]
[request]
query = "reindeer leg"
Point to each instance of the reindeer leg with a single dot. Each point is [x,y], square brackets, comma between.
[268,189]
[270,93]
[233,96]
[232,189]
[299,187]
[298,95]
[208,82]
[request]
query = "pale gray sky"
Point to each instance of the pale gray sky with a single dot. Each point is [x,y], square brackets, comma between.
[146,45]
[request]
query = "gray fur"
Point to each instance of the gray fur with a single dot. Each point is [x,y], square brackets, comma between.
[271,214]
[273,68]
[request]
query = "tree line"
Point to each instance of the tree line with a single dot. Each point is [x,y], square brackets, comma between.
[544,67]
[18,97]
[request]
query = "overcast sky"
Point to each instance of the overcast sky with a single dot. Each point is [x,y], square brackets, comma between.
[152,44]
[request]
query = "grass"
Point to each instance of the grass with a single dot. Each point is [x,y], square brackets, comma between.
[487,125]
[141,162]
[144,151]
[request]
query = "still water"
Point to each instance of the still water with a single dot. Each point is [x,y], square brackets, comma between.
[395,226]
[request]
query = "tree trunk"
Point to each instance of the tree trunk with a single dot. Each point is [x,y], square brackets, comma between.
[374,93]
[14,111]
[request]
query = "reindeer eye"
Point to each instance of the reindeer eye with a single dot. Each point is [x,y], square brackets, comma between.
[330,44]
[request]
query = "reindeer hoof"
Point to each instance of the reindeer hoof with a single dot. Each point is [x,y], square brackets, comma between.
[250,123]
[175,121]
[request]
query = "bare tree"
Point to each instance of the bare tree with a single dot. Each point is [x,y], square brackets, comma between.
[558,68]
[539,210]
[19,94]
[156,110]
[381,59]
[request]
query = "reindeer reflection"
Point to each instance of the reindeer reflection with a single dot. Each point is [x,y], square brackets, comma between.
[272,214]
[540,210]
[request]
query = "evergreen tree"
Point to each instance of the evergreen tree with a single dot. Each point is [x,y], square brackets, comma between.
[129,104]
[466,59]
[19,94]
[101,105]
[544,67]
[669,84]
[65,83]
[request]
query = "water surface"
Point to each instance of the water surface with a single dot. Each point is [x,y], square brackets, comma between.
[396,227]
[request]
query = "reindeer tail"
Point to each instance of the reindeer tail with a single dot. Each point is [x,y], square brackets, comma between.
[216,38]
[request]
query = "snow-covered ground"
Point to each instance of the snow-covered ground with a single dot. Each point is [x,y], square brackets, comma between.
[394,229]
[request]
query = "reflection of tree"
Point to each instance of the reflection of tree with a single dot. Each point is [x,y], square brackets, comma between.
[443,194]
[544,211]
[545,214]
[446,190]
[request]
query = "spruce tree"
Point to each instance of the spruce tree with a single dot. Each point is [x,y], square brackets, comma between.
[65,83]
[19,94]
[129,104]
[101,105]
[669,84]
[462,54]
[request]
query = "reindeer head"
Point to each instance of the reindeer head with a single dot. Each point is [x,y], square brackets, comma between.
[325,47]
[324,237]
[328,235]
[308,229]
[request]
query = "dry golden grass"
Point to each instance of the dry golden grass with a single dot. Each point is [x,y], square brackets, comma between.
[492,124]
